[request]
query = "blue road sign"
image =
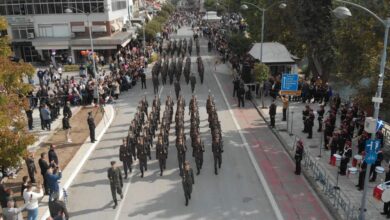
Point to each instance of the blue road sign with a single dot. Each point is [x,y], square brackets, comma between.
[290,82]
[372,148]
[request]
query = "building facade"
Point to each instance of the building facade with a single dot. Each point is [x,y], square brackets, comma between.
[40,27]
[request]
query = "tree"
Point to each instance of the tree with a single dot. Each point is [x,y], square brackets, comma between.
[14,137]
[261,72]
[239,44]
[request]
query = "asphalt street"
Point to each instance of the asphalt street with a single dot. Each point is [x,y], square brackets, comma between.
[236,193]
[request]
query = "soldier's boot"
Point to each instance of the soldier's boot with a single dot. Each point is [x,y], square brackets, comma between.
[142,174]
[161,172]
[115,204]
[216,171]
[197,173]
[220,165]
[186,201]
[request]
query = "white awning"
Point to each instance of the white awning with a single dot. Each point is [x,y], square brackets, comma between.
[51,43]
[273,52]
[78,28]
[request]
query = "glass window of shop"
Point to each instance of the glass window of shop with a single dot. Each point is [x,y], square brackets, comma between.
[31,7]
[21,31]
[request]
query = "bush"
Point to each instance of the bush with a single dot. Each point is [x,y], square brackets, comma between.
[71,68]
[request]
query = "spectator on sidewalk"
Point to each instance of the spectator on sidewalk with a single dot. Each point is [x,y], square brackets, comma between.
[305,116]
[143,79]
[29,114]
[52,176]
[24,184]
[320,117]
[46,117]
[236,86]
[32,198]
[378,163]
[44,166]
[298,157]
[272,113]
[31,169]
[67,110]
[241,95]
[58,208]
[67,128]
[362,175]
[346,156]
[53,158]
[5,194]
[285,107]
[91,125]
[13,213]
[309,124]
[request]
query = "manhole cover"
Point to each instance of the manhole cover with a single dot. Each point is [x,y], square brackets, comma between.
[313,146]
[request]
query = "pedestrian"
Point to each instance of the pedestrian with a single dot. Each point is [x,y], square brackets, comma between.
[44,166]
[46,117]
[91,126]
[13,213]
[52,176]
[386,205]
[161,153]
[143,79]
[309,124]
[67,128]
[31,169]
[320,117]
[125,156]
[187,181]
[142,155]
[31,198]
[58,208]
[193,83]
[378,163]
[67,110]
[177,88]
[53,158]
[30,120]
[346,156]
[298,157]
[285,107]
[236,86]
[241,95]
[114,174]
[272,113]
[362,175]
[5,194]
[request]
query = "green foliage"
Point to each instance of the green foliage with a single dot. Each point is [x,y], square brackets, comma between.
[239,44]
[261,72]
[14,137]
[210,5]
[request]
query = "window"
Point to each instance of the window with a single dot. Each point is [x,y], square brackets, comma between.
[21,32]
[118,5]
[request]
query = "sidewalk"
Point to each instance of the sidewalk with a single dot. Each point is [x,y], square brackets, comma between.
[348,191]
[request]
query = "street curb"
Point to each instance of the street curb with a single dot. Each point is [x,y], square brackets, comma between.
[36,144]
[325,201]
[79,159]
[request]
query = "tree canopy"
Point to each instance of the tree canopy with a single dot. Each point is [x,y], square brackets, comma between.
[14,137]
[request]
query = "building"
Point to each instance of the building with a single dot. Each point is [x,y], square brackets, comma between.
[40,27]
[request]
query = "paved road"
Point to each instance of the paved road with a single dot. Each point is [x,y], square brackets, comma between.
[236,193]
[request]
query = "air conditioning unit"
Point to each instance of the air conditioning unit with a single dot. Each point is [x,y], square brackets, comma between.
[30,36]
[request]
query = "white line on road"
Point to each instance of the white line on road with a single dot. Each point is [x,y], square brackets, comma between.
[252,157]
[124,197]
[159,94]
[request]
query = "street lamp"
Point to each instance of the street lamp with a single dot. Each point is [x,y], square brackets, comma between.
[87,14]
[344,12]
[244,6]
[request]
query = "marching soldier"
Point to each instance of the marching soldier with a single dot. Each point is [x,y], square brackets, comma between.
[142,155]
[181,153]
[116,183]
[193,82]
[91,125]
[147,141]
[125,156]
[187,181]
[198,154]
[217,149]
[177,89]
[131,144]
[161,153]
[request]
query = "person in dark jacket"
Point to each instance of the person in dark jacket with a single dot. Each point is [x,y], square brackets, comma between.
[114,174]
[53,158]
[44,166]
[31,169]
[66,126]
[187,181]
[298,157]
[125,156]
[58,208]
[66,110]
[241,95]
[52,176]
[386,205]
[143,80]
[91,125]
[272,113]
[378,162]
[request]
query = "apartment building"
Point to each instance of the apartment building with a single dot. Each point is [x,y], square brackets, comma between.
[40,27]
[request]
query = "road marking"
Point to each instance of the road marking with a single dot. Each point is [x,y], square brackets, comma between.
[260,174]
[159,94]
[124,197]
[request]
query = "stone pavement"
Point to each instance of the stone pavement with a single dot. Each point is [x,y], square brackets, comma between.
[290,131]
